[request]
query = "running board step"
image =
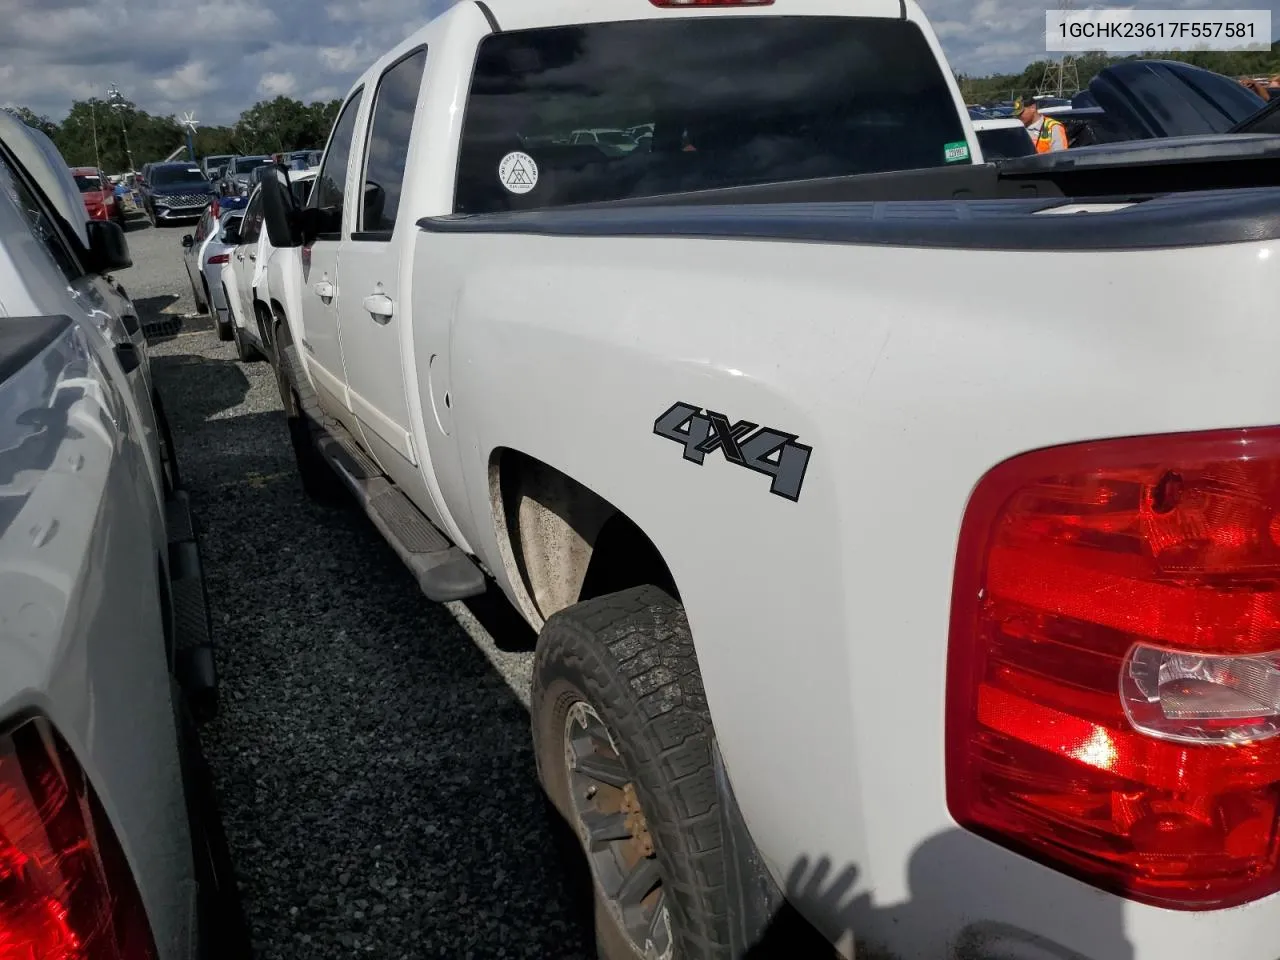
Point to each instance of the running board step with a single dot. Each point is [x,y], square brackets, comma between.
[443,571]
[193,659]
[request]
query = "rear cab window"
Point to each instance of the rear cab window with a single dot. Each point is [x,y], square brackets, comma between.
[633,109]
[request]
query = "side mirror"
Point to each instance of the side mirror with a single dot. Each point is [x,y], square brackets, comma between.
[280,210]
[108,248]
[188,240]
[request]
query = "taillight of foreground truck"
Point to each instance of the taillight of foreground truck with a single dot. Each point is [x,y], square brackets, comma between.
[1113,683]
[66,891]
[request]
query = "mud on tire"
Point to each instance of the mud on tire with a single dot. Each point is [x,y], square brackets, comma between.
[630,657]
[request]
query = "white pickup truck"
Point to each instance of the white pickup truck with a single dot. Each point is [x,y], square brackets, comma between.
[945,611]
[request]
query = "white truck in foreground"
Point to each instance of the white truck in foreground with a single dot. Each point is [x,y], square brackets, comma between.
[944,611]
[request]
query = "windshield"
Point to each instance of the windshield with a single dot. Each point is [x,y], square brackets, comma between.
[847,95]
[245,164]
[87,183]
[176,176]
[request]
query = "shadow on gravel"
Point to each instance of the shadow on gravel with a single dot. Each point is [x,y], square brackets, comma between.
[511,632]
[376,772]
[204,386]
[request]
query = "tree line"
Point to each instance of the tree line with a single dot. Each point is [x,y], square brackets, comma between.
[100,133]
[1030,81]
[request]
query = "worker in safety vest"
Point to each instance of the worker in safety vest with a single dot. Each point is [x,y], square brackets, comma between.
[1046,133]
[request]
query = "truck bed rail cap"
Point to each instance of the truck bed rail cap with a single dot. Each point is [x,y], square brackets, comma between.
[1173,220]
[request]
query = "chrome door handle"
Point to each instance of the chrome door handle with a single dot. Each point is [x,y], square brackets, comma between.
[253,256]
[324,289]
[239,256]
[380,305]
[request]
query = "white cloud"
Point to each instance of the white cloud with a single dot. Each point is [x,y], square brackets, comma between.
[188,82]
[278,84]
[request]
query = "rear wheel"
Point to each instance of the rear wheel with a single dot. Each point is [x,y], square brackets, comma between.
[623,736]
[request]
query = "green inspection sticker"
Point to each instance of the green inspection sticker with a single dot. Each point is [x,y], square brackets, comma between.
[955,152]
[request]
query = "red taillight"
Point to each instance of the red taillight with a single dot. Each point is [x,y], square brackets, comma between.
[1113,687]
[66,892]
[711,3]
[220,258]
[214,209]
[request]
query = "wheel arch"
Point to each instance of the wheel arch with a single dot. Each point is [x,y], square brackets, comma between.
[561,542]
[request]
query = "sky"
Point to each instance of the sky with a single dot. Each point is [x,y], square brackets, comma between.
[215,59]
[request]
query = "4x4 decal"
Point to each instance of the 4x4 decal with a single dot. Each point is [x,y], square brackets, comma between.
[771,452]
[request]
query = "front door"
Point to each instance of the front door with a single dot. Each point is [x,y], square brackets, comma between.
[374,314]
[319,346]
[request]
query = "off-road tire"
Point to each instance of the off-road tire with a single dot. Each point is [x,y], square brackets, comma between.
[319,482]
[630,656]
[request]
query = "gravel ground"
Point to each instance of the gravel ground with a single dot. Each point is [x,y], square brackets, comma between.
[373,750]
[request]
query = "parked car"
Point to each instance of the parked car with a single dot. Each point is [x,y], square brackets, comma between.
[112,840]
[611,142]
[98,194]
[204,254]
[236,175]
[860,583]
[213,163]
[255,277]
[237,281]
[176,191]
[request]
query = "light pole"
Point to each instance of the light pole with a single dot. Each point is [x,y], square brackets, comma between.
[116,99]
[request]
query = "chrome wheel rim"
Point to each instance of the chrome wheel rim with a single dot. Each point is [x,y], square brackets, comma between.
[615,834]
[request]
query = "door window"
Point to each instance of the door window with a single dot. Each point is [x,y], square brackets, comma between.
[387,152]
[327,195]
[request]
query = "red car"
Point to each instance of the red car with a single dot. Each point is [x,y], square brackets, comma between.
[99,194]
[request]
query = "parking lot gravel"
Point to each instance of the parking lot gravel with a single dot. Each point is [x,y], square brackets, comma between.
[372,750]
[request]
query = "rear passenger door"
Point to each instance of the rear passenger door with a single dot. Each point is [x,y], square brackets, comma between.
[373,310]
